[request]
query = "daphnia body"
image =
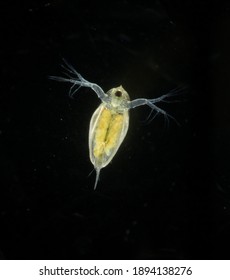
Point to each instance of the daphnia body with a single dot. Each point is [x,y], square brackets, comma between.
[109,123]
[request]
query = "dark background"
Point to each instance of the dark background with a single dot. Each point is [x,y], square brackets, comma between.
[166,194]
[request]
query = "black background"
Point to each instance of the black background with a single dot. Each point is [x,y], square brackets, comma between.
[166,193]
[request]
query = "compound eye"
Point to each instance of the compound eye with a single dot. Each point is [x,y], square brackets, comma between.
[118,93]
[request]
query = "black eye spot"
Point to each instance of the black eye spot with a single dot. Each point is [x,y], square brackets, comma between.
[118,93]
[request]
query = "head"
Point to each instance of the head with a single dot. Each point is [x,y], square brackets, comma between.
[118,98]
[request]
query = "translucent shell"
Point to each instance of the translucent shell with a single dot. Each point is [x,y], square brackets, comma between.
[106,133]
